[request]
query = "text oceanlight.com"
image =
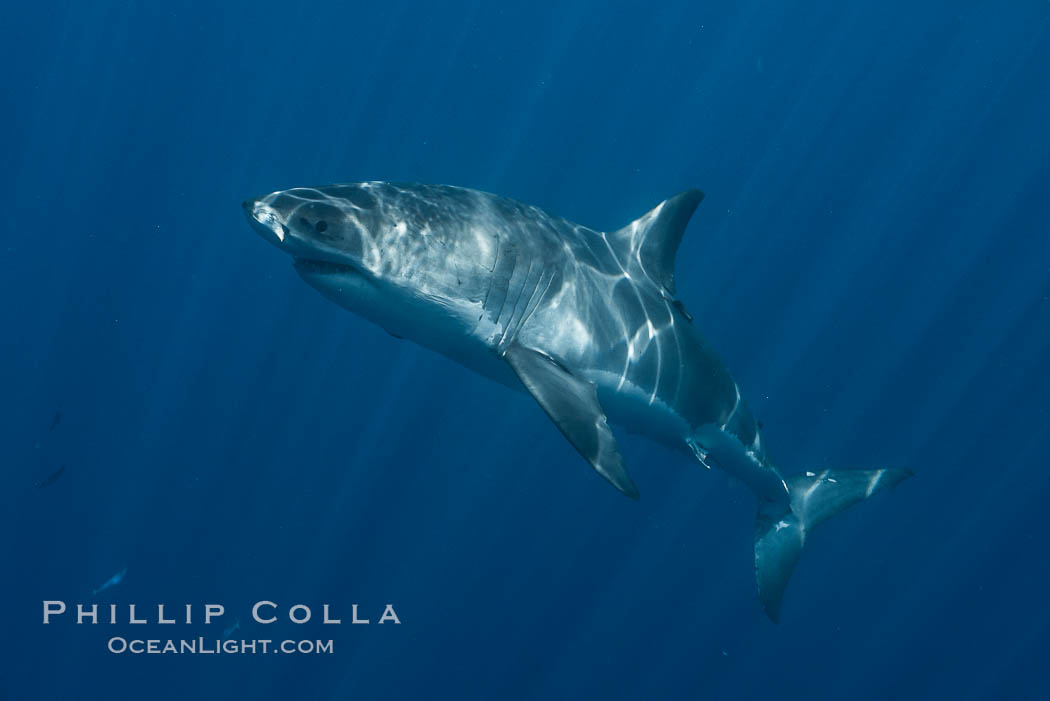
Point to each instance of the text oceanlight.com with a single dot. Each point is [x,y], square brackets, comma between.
[203,646]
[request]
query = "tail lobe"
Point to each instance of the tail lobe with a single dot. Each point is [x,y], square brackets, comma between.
[814,498]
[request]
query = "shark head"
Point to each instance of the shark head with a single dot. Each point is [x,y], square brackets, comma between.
[370,248]
[331,235]
[325,228]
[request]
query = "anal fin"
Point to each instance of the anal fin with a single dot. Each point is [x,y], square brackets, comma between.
[572,404]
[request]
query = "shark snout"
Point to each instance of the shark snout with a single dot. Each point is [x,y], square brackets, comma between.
[266,220]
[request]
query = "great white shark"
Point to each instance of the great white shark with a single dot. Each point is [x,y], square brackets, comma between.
[585,321]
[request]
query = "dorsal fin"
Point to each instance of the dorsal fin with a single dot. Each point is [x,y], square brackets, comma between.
[652,239]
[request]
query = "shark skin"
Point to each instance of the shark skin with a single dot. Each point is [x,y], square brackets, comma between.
[585,321]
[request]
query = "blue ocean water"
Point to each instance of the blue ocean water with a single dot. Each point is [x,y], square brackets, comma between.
[872,261]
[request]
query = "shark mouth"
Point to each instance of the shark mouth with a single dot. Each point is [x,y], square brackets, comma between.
[323,267]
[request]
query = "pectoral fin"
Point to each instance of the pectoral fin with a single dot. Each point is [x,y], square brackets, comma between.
[572,404]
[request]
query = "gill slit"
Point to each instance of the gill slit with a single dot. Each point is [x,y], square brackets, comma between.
[509,330]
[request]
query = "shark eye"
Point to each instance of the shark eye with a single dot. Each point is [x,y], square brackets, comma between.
[321,226]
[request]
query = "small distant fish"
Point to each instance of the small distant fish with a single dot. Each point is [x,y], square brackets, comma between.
[55,421]
[50,479]
[232,629]
[111,582]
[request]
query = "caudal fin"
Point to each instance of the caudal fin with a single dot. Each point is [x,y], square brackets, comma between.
[815,497]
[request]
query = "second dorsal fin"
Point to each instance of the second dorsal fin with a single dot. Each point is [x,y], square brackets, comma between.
[651,241]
